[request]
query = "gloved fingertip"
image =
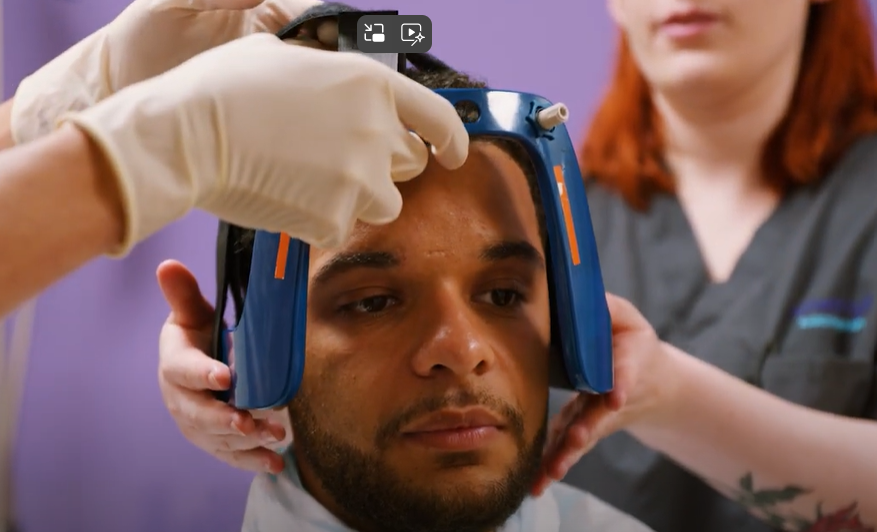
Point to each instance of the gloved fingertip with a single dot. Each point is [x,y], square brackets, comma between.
[406,174]
[327,33]
[384,208]
[412,161]
[454,154]
[409,171]
[380,220]
[212,5]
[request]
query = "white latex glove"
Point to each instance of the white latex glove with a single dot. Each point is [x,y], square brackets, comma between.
[272,136]
[148,38]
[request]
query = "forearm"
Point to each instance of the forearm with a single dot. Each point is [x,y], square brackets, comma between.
[800,460]
[59,208]
[6,141]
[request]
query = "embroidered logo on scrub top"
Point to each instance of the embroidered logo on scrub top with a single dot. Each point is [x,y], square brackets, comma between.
[842,315]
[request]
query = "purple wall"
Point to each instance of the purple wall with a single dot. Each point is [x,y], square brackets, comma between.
[97,451]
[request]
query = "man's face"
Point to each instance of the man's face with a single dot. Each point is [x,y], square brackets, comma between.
[423,405]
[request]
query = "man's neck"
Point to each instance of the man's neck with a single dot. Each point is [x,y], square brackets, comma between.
[312,485]
[718,133]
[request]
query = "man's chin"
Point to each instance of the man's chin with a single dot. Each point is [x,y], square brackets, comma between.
[415,487]
[473,489]
[495,449]
[464,474]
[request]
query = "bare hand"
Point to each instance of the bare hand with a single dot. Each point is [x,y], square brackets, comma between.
[187,376]
[587,419]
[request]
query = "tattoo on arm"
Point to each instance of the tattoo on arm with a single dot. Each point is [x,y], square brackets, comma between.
[773,506]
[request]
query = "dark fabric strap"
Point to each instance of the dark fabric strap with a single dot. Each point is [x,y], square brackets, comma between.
[222,258]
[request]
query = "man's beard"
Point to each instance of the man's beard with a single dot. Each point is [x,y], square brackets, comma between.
[374,498]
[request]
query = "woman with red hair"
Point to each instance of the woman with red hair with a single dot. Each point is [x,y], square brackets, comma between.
[733,190]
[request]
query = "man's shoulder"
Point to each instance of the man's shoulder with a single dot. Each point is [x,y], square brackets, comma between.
[581,511]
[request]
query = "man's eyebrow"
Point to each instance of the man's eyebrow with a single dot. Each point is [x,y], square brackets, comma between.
[344,262]
[520,249]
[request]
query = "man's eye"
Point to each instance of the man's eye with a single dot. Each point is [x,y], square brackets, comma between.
[370,305]
[504,297]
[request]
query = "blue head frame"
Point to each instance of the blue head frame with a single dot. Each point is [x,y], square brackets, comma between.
[266,349]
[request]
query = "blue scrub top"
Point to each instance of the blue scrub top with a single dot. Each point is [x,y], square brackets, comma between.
[797,318]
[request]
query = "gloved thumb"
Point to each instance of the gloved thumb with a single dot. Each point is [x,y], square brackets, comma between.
[385,205]
[212,5]
[189,308]
[411,160]
[408,162]
[287,8]
[264,15]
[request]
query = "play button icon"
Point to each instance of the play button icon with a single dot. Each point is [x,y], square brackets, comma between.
[414,34]
[411,32]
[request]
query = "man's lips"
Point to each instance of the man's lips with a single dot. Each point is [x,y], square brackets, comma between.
[448,419]
[455,430]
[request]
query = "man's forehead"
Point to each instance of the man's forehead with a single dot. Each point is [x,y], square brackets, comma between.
[333,265]
[453,212]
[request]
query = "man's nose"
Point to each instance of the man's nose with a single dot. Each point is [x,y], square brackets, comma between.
[455,338]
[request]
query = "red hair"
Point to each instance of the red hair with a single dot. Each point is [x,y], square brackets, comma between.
[833,105]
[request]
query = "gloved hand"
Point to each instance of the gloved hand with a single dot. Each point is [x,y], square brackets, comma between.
[272,136]
[148,38]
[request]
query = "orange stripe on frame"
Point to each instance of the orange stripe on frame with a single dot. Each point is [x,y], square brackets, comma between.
[282,255]
[567,216]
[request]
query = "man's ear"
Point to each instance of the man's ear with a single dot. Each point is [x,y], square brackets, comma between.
[616,11]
